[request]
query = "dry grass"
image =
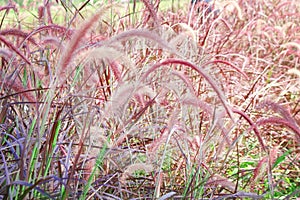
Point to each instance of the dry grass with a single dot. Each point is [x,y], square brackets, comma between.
[201,103]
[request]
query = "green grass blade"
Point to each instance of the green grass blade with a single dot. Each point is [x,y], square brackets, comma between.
[50,154]
[99,162]
[281,158]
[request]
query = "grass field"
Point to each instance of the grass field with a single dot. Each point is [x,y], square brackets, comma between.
[150,100]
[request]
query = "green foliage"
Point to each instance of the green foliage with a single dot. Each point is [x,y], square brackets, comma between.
[281,158]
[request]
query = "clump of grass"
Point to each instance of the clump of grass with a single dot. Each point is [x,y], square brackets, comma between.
[150,105]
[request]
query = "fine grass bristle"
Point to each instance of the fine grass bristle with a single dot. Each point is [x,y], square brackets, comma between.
[18,88]
[75,42]
[200,71]
[17,33]
[14,49]
[6,54]
[253,126]
[153,13]
[280,121]
[140,33]
[64,31]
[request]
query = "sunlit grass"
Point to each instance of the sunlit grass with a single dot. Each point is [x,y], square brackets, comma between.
[126,100]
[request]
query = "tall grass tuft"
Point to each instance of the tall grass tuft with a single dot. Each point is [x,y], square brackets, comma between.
[149,102]
[74,43]
[200,71]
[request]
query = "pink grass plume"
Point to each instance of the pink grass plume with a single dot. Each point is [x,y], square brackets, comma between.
[200,71]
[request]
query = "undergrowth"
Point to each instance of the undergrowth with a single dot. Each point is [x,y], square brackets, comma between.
[132,101]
